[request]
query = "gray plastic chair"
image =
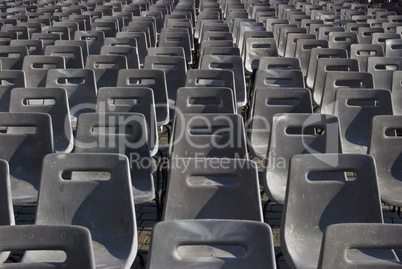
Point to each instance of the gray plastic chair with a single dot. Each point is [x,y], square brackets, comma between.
[385,147]
[315,200]
[364,34]
[94,40]
[211,78]
[154,79]
[37,66]
[12,57]
[28,139]
[73,191]
[211,244]
[149,23]
[53,101]
[281,63]
[393,48]
[325,66]
[382,68]
[356,109]
[177,39]
[296,134]
[341,240]
[72,55]
[211,192]
[342,40]
[278,78]
[63,31]
[397,92]
[265,104]
[6,204]
[47,39]
[129,52]
[380,38]
[80,86]
[10,79]
[315,55]
[34,47]
[74,241]
[303,51]
[255,49]
[283,37]
[123,133]
[290,50]
[362,52]
[198,100]
[106,68]
[109,28]
[342,79]
[208,136]
[175,69]
[129,99]
[229,62]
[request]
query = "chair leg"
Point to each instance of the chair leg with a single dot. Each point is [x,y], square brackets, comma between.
[142,261]
[277,256]
[264,212]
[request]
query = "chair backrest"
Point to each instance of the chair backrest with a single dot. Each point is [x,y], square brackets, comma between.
[380,38]
[46,38]
[142,43]
[326,65]
[212,192]
[197,100]
[364,34]
[154,79]
[53,101]
[63,31]
[81,43]
[12,57]
[6,205]
[166,51]
[314,202]
[342,239]
[303,50]
[177,39]
[229,62]
[72,55]
[129,99]
[175,69]
[382,68]
[315,55]
[282,63]
[74,241]
[283,37]
[129,52]
[94,40]
[83,181]
[342,79]
[393,48]
[123,133]
[209,135]
[362,52]
[211,78]
[385,147]
[397,92]
[9,79]
[211,240]
[342,40]
[290,50]
[80,85]
[37,66]
[265,104]
[356,109]
[257,48]
[278,78]
[292,134]
[106,68]
[35,47]
[27,140]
